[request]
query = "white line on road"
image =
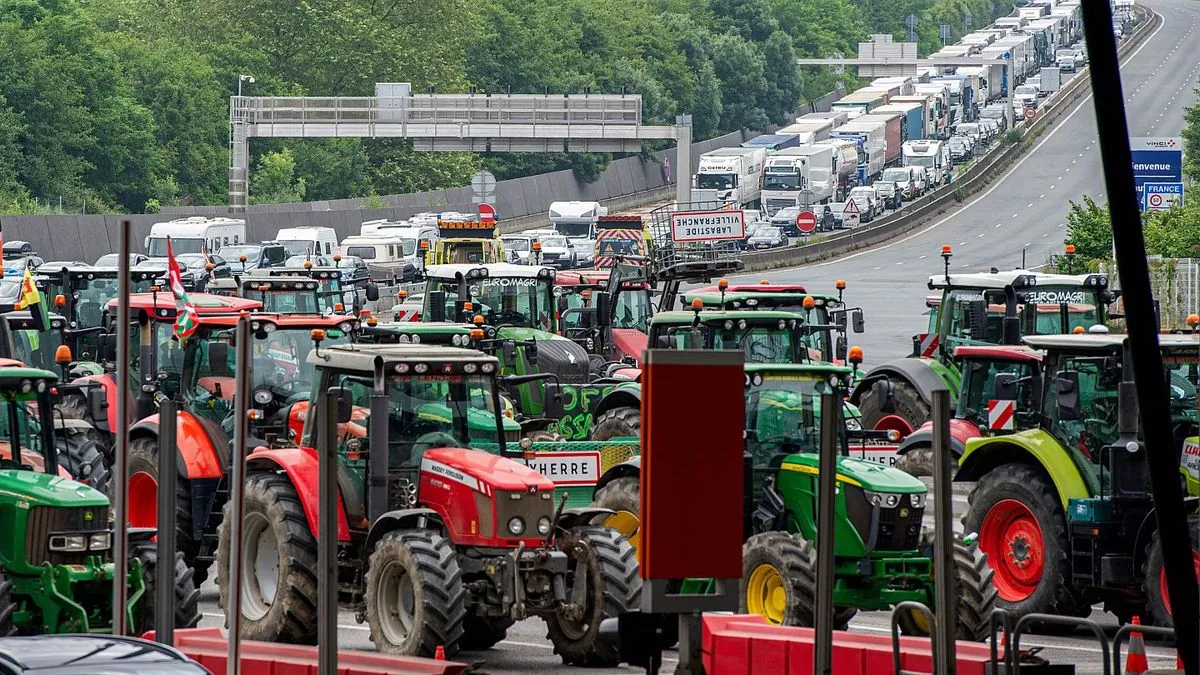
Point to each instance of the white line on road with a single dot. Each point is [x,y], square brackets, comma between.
[999,224]
[922,257]
[1028,206]
[1042,197]
[962,243]
[980,235]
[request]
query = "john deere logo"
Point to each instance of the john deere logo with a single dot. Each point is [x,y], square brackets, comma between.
[87,516]
[903,513]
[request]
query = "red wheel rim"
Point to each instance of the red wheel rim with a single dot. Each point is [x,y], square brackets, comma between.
[143,500]
[896,422]
[1016,549]
[1162,580]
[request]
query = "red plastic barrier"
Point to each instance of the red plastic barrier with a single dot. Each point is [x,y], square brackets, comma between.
[745,644]
[210,648]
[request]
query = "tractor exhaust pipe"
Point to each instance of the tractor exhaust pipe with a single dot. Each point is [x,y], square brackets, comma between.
[1011,324]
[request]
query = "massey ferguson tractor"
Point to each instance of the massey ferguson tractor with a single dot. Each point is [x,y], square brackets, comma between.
[440,544]
[976,309]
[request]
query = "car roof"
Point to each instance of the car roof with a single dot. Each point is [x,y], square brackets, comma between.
[361,357]
[92,654]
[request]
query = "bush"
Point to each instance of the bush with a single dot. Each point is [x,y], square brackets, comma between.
[1012,136]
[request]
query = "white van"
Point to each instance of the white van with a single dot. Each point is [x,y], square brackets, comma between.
[195,234]
[308,240]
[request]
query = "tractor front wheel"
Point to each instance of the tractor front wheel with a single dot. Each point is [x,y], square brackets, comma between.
[79,454]
[621,495]
[279,563]
[918,461]
[613,588]
[415,596]
[623,421]
[1158,603]
[975,589]
[906,399]
[187,593]
[779,581]
[1023,531]
[143,502]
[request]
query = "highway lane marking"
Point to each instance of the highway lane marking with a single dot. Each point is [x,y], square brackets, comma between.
[980,235]
[999,224]
[1028,206]
[1042,197]
[962,243]
[1016,214]
[1062,123]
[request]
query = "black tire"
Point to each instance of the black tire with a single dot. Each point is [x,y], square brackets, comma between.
[622,495]
[143,458]
[7,608]
[794,560]
[617,422]
[614,587]
[187,595]
[273,517]
[1157,606]
[1021,483]
[919,462]
[907,400]
[438,609]
[975,590]
[82,458]
[72,406]
[480,633]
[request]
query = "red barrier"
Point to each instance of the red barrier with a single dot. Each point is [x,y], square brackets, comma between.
[743,644]
[210,648]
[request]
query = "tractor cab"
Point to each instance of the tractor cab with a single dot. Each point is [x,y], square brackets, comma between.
[607,311]
[326,290]
[765,336]
[23,342]
[80,294]
[466,242]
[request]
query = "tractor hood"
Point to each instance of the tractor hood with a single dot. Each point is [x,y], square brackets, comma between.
[556,355]
[867,474]
[29,488]
[477,420]
[484,471]
[630,341]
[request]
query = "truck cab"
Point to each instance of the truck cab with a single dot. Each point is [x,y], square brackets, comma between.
[195,234]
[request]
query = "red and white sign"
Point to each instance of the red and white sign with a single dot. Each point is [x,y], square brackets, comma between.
[929,344]
[667,169]
[689,226]
[851,208]
[567,468]
[1001,414]
[487,213]
[806,221]
[1030,113]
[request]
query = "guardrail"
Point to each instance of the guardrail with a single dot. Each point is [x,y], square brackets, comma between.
[918,213]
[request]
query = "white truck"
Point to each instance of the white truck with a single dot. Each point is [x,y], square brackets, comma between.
[800,176]
[729,176]
[195,234]
[932,156]
[577,222]
[308,240]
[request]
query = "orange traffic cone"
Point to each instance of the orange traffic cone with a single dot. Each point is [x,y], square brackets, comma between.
[1135,660]
[439,654]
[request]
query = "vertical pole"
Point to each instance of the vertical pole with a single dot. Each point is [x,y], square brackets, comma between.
[237,485]
[1012,84]
[945,593]
[239,158]
[377,491]
[831,405]
[327,647]
[120,475]
[164,602]
[683,159]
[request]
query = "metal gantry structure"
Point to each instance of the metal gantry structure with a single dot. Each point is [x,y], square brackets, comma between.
[453,123]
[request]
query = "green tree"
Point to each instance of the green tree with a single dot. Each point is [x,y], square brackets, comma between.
[1089,228]
[1191,141]
[274,180]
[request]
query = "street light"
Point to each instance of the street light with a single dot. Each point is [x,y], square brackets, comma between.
[244,78]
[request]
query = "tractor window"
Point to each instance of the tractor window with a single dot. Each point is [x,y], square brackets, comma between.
[522,302]
[956,320]
[37,349]
[632,309]
[761,344]
[1097,425]
[979,387]
[783,416]
[1048,318]
[25,437]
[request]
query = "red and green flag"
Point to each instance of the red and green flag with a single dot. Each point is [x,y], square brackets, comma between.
[185,311]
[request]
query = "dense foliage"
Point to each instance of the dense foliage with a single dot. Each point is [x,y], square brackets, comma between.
[124,104]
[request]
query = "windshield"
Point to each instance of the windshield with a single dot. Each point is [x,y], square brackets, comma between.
[158,246]
[554,242]
[235,253]
[633,309]
[408,246]
[1026,89]
[783,416]
[575,230]
[1079,304]
[714,181]
[512,301]
[767,232]
[979,387]
[782,181]
[293,247]
[519,245]
[923,162]
[896,175]
[364,252]
[759,343]
[37,349]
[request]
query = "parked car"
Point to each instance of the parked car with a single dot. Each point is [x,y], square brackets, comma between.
[751,228]
[992,127]
[867,201]
[899,175]
[890,193]
[113,259]
[996,114]
[960,149]
[94,653]
[558,252]
[767,237]
[354,269]
[973,131]
[258,256]
[518,248]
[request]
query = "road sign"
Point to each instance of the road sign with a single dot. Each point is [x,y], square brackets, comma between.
[487,212]
[1161,196]
[1030,112]
[708,225]
[806,221]
[483,186]
[851,208]
[1156,159]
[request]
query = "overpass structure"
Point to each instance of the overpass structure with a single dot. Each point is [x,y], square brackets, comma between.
[453,123]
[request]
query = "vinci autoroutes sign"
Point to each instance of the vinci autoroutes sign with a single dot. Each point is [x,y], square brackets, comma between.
[708,225]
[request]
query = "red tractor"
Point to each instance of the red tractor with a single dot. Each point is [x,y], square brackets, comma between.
[612,330]
[441,543]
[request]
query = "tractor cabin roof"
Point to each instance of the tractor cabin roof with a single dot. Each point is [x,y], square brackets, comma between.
[816,369]
[285,321]
[161,305]
[1107,342]
[597,278]
[1017,278]
[734,300]
[500,270]
[681,317]
[314,272]
[143,273]
[998,352]
[360,357]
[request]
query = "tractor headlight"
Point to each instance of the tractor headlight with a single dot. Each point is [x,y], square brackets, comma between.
[883,500]
[516,526]
[68,542]
[454,340]
[26,386]
[917,499]
[100,542]
[544,525]
[891,500]
[852,424]
[262,397]
[41,386]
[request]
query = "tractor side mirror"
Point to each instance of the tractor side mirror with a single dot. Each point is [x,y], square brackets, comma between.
[218,357]
[1066,386]
[553,406]
[839,320]
[531,352]
[1006,386]
[978,319]
[882,389]
[841,346]
[510,354]
[345,405]
[372,291]
[436,301]
[858,322]
[98,407]
[602,302]
[106,348]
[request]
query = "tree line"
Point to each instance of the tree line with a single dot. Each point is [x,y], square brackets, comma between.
[123,105]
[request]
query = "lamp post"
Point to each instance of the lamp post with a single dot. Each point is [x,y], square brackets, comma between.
[241,79]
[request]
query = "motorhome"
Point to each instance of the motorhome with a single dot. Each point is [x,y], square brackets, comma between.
[932,156]
[195,234]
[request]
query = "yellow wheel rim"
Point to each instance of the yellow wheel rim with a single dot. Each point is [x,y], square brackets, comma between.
[765,594]
[627,524]
[921,622]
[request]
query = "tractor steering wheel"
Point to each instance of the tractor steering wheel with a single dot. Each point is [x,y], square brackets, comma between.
[434,439]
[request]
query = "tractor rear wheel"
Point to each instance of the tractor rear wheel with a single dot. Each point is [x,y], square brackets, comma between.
[279,563]
[779,581]
[1022,529]
[623,421]
[187,593]
[975,590]
[483,632]
[81,457]
[7,608]
[143,502]
[621,495]
[613,588]
[907,400]
[919,462]
[415,596]
[72,406]
[1158,604]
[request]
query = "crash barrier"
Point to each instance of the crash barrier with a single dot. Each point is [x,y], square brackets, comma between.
[915,214]
[209,646]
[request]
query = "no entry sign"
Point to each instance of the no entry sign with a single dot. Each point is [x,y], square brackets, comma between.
[806,221]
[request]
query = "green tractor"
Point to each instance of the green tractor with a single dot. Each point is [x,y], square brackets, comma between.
[976,309]
[56,570]
[1063,510]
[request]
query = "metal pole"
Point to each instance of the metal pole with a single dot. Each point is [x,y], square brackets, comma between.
[164,603]
[327,646]
[1142,328]
[683,159]
[945,593]
[237,489]
[120,622]
[831,405]
[1012,84]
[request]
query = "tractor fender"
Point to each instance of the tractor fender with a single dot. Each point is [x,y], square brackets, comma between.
[302,468]
[961,431]
[108,385]
[402,519]
[581,516]
[630,467]
[71,424]
[1034,447]
[619,398]
[198,455]
[918,372]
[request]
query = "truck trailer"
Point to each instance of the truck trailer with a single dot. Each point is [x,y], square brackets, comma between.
[912,118]
[860,103]
[772,143]
[893,137]
[809,131]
